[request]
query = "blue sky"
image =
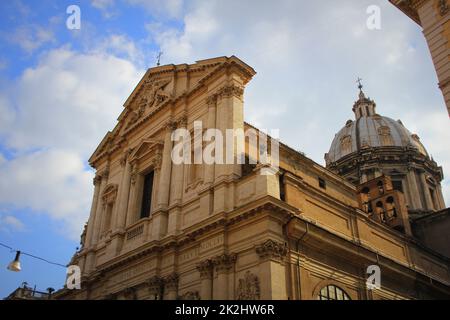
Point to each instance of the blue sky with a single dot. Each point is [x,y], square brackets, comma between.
[61,90]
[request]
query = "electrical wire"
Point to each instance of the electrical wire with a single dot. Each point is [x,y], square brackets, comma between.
[33,256]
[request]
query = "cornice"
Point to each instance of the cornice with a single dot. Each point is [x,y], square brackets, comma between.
[266,204]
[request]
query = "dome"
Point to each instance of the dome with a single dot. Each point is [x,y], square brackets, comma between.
[370,130]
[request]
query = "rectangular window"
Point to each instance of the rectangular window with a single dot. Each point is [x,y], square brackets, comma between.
[397,185]
[322,183]
[147,195]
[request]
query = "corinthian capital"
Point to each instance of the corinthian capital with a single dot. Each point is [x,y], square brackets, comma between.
[224,262]
[205,268]
[155,285]
[170,125]
[230,91]
[182,121]
[171,282]
[97,179]
[211,100]
[272,250]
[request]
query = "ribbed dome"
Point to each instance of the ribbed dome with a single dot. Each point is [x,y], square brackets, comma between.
[370,130]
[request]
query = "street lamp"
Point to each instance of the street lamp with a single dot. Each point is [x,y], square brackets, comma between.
[15,264]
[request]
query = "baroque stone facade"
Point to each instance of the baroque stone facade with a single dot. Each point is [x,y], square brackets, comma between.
[159,230]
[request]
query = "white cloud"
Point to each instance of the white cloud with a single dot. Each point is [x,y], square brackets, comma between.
[10,223]
[69,100]
[106,7]
[31,37]
[121,46]
[102,4]
[58,111]
[161,8]
[54,182]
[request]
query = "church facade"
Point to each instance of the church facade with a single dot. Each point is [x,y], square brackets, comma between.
[160,230]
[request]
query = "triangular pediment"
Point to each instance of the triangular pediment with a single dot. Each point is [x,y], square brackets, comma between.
[162,86]
[148,146]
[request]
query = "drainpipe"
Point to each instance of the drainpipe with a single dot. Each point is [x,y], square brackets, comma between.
[298,260]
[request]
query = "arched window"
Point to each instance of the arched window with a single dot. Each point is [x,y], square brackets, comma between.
[331,292]
[380,187]
[365,197]
[380,211]
[390,207]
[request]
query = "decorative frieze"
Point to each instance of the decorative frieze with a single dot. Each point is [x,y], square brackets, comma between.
[272,250]
[248,288]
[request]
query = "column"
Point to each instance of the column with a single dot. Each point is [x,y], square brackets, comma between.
[155,287]
[272,270]
[177,190]
[426,192]
[178,172]
[132,198]
[440,196]
[122,205]
[90,228]
[223,264]
[99,210]
[229,115]
[206,272]
[407,192]
[171,287]
[166,169]
[209,169]
[412,184]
